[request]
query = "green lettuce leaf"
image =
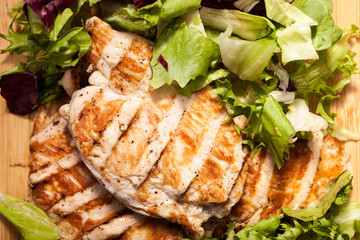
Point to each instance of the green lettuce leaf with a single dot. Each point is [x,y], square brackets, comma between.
[326,33]
[31,221]
[277,130]
[262,230]
[244,25]
[247,59]
[348,215]
[295,40]
[144,20]
[187,51]
[61,52]
[201,81]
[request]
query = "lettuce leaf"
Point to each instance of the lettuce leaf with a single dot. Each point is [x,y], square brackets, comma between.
[201,81]
[244,25]
[326,33]
[187,51]
[295,40]
[31,221]
[144,19]
[247,59]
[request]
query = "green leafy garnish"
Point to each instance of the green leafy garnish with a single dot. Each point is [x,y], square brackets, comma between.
[31,221]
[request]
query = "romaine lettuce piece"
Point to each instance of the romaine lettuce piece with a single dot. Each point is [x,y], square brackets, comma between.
[31,221]
[247,59]
[295,40]
[244,25]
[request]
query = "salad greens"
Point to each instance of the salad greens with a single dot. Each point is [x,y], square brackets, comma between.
[31,221]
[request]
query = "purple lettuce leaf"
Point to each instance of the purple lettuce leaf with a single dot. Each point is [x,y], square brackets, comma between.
[143,3]
[163,62]
[220,4]
[19,91]
[49,9]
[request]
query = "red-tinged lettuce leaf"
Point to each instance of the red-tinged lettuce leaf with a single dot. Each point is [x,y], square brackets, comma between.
[221,4]
[19,91]
[143,3]
[48,9]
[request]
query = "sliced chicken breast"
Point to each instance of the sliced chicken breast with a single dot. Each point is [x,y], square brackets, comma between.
[153,149]
[66,190]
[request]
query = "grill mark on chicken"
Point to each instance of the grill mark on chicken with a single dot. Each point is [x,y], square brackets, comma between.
[94,119]
[285,180]
[184,155]
[62,185]
[115,227]
[133,66]
[42,147]
[123,58]
[333,161]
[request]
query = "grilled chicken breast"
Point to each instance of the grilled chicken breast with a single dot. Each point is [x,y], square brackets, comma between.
[66,190]
[160,153]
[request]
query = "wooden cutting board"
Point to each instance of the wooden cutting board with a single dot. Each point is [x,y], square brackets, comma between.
[15,130]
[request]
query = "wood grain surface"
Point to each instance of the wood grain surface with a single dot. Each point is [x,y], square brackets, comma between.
[15,130]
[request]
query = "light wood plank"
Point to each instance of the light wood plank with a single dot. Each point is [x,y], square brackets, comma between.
[15,130]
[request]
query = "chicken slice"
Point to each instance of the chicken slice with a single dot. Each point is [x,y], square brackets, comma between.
[291,184]
[260,169]
[122,57]
[333,161]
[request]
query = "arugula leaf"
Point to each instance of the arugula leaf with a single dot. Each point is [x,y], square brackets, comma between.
[187,51]
[50,53]
[31,221]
